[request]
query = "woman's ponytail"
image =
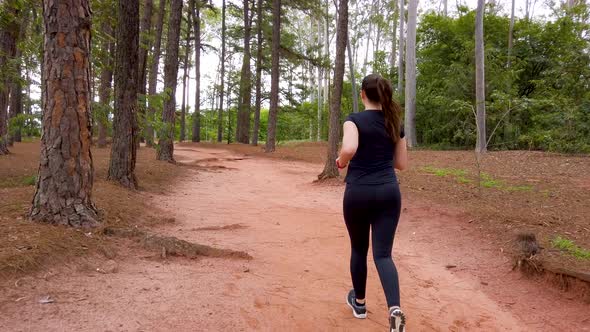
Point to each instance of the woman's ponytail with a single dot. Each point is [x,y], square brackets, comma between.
[391,109]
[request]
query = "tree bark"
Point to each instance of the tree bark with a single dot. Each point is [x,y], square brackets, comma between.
[400,59]
[320,71]
[125,128]
[8,35]
[330,169]
[144,46]
[445,8]
[185,76]
[64,185]
[153,75]
[104,90]
[481,145]
[196,136]
[245,99]
[166,140]
[258,105]
[410,99]
[222,60]
[274,81]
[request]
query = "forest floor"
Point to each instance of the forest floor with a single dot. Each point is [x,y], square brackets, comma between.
[292,228]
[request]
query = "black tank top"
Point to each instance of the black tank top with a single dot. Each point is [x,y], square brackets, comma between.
[374,159]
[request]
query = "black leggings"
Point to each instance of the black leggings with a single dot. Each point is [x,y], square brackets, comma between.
[377,206]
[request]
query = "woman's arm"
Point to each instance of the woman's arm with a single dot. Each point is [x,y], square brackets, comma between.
[401,154]
[350,143]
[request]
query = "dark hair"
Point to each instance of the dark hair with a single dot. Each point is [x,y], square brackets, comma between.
[379,90]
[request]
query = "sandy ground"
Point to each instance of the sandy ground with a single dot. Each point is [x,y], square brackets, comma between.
[452,278]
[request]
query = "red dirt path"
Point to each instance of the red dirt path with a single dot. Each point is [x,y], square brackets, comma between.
[298,278]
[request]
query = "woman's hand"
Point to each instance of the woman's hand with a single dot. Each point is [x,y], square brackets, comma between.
[340,165]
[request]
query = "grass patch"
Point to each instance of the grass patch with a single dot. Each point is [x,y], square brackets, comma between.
[19,181]
[570,247]
[462,177]
[443,172]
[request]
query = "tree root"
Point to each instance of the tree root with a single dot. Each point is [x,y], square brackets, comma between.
[173,246]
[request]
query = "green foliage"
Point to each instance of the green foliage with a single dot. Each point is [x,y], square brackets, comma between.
[541,102]
[29,125]
[570,248]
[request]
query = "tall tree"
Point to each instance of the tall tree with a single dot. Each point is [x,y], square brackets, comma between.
[144,46]
[104,88]
[9,30]
[16,88]
[259,20]
[330,169]
[480,79]
[154,69]
[125,128]
[166,139]
[185,77]
[445,8]
[320,71]
[400,59]
[510,35]
[196,134]
[395,11]
[64,184]
[274,80]
[355,100]
[245,99]
[222,75]
[410,100]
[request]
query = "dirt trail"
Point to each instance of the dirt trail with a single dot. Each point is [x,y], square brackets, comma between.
[299,276]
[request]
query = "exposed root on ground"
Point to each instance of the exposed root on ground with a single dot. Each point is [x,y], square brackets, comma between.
[526,258]
[167,245]
[221,228]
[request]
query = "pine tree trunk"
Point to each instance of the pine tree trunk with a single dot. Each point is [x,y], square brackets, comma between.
[410,99]
[320,79]
[245,100]
[196,137]
[16,108]
[330,169]
[445,8]
[222,60]
[274,81]
[185,77]
[16,93]
[400,58]
[8,35]
[258,105]
[125,128]
[104,90]
[154,69]
[481,144]
[166,139]
[64,184]
[144,46]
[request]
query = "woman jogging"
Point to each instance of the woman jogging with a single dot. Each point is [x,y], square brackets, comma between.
[374,144]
